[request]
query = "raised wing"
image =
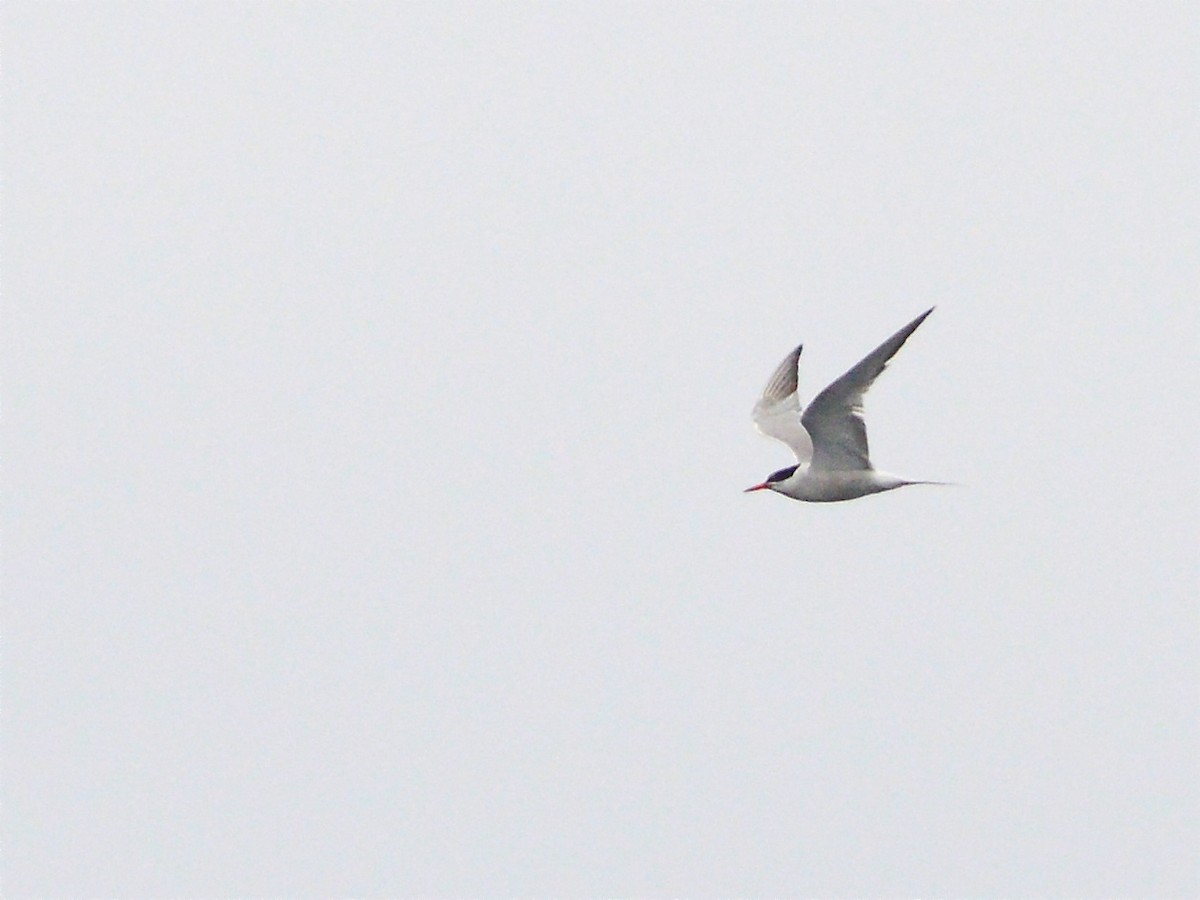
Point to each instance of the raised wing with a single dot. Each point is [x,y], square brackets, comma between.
[834,419]
[777,412]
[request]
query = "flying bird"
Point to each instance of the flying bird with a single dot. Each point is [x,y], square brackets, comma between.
[830,437]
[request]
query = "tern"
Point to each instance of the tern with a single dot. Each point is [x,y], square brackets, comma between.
[829,437]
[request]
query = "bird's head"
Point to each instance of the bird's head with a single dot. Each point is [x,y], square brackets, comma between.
[773,479]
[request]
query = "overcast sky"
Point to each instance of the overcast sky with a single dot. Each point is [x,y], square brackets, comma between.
[376,398]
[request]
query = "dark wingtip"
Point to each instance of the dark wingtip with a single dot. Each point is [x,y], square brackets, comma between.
[916,323]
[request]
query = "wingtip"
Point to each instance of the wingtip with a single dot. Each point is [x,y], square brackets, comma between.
[922,317]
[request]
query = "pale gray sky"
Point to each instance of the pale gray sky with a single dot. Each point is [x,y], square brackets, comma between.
[376,393]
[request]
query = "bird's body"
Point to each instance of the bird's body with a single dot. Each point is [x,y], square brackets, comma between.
[830,437]
[828,487]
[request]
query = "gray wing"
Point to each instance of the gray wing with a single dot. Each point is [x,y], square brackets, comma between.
[777,412]
[834,419]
